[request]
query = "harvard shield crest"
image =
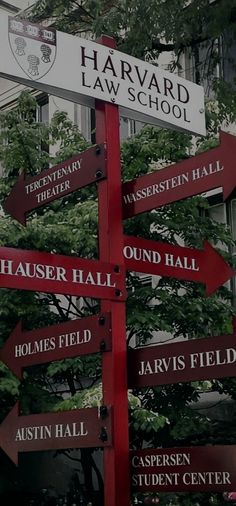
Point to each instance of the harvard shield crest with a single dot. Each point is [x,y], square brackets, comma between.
[33,47]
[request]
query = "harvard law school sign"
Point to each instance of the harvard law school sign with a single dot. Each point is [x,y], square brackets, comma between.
[82,71]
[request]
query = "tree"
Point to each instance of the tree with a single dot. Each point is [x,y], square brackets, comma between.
[178,24]
[158,416]
[203,29]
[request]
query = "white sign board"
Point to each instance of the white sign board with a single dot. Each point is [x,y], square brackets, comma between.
[80,70]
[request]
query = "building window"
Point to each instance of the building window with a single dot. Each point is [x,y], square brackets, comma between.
[42,116]
[229,53]
[42,110]
[93,126]
[129,127]
[232,218]
[203,64]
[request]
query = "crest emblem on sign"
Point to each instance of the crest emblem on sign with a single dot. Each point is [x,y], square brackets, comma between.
[33,47]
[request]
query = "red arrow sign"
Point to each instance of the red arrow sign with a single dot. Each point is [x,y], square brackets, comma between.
[65,340]
[203,266]
[190,469]
[51,184]
[79,428]
[46,272]
[206,171]
[194,360]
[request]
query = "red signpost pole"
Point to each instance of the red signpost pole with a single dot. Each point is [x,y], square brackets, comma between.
[114,365]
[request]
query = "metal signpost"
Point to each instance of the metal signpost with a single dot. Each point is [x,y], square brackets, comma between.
[104,78]
[114,367]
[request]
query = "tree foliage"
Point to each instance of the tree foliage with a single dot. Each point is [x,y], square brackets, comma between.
[158,416]
[169,25]
[199,34]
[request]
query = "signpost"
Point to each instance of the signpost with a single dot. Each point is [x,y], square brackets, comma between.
[78,428]
[104,78]
[163,259]
[195,175]
[194,469]
[143,91]
[194,360]
[46,272]
[65,340]
[114,365]
[51,184]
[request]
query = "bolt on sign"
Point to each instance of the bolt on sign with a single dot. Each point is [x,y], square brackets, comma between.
[81,71]
[193,469]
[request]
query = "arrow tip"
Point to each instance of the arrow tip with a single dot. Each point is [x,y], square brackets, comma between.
[228,145]
[218,272]
[7,353]
[14,203]
[7,430]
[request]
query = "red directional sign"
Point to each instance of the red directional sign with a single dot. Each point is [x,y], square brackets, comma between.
[77,428]
[193,360]
[51,184]
[206,171]
[46,272]
[203,266]
[65,340]
[193,469]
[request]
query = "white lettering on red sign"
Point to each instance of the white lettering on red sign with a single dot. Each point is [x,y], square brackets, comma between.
[201,359]
[54,176]
[173,182]
[55,273]
[183,477]
[154,257]
[194,478]
[51,343]
[59,430]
